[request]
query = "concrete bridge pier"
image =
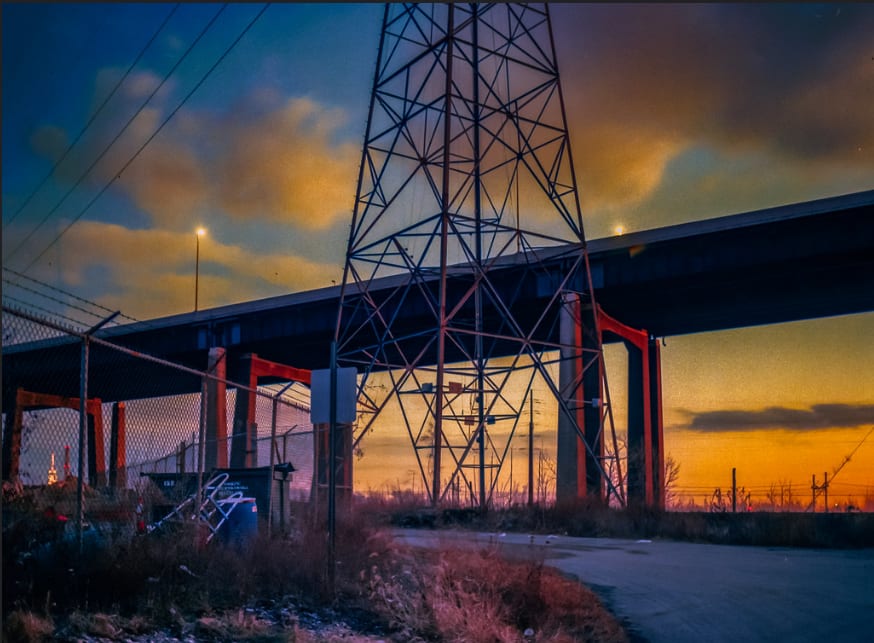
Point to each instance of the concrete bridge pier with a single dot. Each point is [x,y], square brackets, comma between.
[342,466]
[577,473]
[216,455]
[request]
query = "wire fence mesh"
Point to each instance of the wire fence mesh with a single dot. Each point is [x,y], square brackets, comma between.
[146,429]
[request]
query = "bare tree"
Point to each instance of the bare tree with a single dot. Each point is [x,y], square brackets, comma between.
[672,476]
[635,459]
[780,495]
[546,473]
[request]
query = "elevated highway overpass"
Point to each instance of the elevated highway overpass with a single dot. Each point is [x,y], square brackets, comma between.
[781,264]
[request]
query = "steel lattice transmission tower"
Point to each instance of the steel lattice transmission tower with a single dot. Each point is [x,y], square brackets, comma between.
[466,192]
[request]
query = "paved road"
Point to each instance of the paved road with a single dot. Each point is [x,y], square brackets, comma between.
[676,592]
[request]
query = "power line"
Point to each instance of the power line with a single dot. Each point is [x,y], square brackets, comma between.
[154,134]
[54,299]
[64,292]
[33,306]
[93,116]
[112,142]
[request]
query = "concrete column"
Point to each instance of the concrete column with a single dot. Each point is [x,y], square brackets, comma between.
[245,430]
[117,448]
[570,466]
[216,412]
[96,446]
[343,471]
[656,423]
[637,427]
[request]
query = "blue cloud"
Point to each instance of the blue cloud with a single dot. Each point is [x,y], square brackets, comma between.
[818,416]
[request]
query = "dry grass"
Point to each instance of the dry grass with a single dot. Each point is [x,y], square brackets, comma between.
[480,597]
[126,586]
[24,626]
[590,518]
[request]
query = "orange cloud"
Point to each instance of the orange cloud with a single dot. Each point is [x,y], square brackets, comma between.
[266,158]
[168,182]
[644,84]
[621,165]
[285,167]
[150,273]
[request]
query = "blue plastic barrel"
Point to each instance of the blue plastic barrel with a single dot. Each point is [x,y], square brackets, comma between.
[241,527]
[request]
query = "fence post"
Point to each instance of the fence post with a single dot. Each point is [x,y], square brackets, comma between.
[332,470]
[83,423]
[83,433]
[201,450]
[276,397]
[272,462]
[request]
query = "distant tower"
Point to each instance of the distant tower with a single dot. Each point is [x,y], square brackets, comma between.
[466,194]
[53,473]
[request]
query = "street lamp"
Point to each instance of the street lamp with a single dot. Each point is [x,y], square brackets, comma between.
[197,235]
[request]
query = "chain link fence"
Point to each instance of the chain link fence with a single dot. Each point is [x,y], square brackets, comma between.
[148,433]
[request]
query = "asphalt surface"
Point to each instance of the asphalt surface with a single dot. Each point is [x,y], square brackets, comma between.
[675,592]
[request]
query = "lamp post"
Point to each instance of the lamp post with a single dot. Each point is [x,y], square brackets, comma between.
[197,235]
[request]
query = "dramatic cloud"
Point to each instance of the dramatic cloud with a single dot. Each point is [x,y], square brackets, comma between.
[645,83]
[818,416]
[284,166]
[264,158]
[676,112]
[150,273]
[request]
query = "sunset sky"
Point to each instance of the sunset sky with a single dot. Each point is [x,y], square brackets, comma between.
[675,112]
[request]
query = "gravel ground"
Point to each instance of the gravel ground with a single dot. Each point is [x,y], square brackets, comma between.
[324,625]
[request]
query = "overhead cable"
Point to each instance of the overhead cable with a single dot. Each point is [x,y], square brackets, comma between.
[33,306]
[154,134]
[93,116]
[109,146]
[54,299]
[64,292]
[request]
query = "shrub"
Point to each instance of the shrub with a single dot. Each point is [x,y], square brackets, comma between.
[23,626]
[126,584]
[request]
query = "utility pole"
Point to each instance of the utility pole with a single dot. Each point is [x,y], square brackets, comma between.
[813,492]
[734,490]
[847,459]
[825,489]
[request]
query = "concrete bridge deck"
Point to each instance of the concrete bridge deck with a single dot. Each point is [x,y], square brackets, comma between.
[798,261]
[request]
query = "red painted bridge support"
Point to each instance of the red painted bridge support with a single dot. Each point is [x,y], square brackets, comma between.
[24,400]
[577,475]
[577,471]
[645,448]
[252,368]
